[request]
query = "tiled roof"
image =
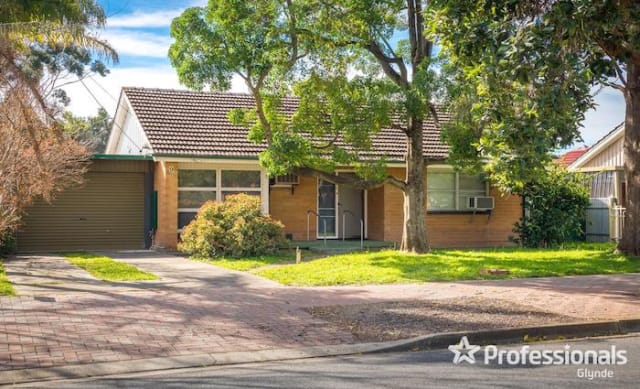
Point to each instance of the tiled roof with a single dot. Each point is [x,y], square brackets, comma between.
[569,157]
[196,124]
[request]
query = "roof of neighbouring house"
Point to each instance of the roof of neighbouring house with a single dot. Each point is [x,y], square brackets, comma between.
[616,133]
[569,157]
[189,123]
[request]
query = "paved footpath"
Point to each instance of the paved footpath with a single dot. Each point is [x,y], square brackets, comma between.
[63,316]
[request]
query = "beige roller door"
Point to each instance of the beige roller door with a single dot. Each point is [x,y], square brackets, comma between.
[106,212]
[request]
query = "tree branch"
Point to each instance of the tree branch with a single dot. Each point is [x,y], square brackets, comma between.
[351,181]
[385,62]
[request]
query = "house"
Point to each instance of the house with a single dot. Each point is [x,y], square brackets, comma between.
[604,163]
[569,157]
[199,155]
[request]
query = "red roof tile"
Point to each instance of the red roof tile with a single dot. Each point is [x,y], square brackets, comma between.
[569,157]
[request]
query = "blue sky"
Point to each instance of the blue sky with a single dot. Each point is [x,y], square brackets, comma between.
[139,31]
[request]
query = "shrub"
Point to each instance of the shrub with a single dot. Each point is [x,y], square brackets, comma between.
[235,228]
[555,209]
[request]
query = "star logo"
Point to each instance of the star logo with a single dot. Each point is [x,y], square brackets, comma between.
[464,351]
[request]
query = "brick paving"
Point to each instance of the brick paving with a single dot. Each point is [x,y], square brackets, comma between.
[65,317]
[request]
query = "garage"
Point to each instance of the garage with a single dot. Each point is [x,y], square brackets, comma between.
[110,210]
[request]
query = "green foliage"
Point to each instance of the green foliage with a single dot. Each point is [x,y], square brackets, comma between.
[107,269]
[385,267]
[235,227]
[522,75]
[92,132]
[555,207]
[6,289]
[7,243]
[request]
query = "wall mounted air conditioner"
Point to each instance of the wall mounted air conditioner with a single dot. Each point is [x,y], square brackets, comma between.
[482,203]
[289,179]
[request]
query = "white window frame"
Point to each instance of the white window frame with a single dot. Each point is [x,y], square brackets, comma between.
[218,189]
[451,170]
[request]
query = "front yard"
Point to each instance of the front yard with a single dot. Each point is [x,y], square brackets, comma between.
[107,269]
[383,267]
[5,286]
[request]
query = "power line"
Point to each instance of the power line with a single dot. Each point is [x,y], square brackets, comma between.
[103,88]
[122,132]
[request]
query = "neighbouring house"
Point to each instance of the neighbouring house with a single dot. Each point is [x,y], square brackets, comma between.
[199,155]
[569,157]
[604,163]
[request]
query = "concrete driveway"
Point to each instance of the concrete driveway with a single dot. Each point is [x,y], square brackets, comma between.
[64,316]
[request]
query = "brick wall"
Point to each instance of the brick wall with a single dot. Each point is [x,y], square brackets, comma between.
[375,214]
[290,208]
[166,184]
[456,230]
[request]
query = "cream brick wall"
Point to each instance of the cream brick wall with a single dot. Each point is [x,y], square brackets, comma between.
[166,184]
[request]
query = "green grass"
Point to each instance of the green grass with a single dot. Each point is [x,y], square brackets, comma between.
[6,289]
[251,263]
[383,267]
[107,269]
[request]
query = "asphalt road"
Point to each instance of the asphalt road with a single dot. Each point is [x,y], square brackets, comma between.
[427,369]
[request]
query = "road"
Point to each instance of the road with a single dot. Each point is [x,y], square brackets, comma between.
[426,369]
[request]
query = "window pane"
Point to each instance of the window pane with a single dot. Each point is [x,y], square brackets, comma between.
[231,192]
[441,200]
[194,198]
[197,178]
[240,179]
[185,218]
[472,183]
[441,181]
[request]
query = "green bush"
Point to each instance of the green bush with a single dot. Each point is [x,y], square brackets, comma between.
[555,209]
[7,243]
[234,228]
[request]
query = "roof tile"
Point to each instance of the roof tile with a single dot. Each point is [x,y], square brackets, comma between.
[196,123]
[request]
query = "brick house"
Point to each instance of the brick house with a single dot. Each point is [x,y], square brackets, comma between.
[199,155]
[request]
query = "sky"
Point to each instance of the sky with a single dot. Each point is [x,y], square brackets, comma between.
[139,32]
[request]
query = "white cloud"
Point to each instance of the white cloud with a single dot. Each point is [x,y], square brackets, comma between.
[608,113]
[144,19]
[137,43]
[83,104]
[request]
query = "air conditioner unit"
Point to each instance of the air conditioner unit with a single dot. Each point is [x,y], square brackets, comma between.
[481,202]
[289,179]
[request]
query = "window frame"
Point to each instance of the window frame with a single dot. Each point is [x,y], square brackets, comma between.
[218,189]
[456,192]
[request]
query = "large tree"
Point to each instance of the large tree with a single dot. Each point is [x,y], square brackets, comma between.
[39,42]
[356,66]
[526,71]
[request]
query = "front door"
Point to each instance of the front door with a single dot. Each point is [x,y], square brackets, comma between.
[327,210]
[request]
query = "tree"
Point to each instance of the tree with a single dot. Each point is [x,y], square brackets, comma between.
[39,41]
[352,69]
[525,71]
[556,209]
[92,131]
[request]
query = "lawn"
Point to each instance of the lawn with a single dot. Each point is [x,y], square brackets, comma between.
[107,269]
[5,286]
[251,263]
[383,267]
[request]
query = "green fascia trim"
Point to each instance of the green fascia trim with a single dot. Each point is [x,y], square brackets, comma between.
[122,157]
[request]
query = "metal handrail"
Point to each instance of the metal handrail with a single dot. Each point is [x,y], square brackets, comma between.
[309,212]
[361,227]
[344,220]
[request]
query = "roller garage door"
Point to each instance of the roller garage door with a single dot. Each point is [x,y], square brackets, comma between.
[106,212]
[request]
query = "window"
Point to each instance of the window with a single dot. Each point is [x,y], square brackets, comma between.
[450,191]
[197,186]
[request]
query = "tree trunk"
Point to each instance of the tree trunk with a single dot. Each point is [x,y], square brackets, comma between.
[414,232]
[630,243]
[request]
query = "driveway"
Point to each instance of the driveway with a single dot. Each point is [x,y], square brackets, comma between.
[63,316]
